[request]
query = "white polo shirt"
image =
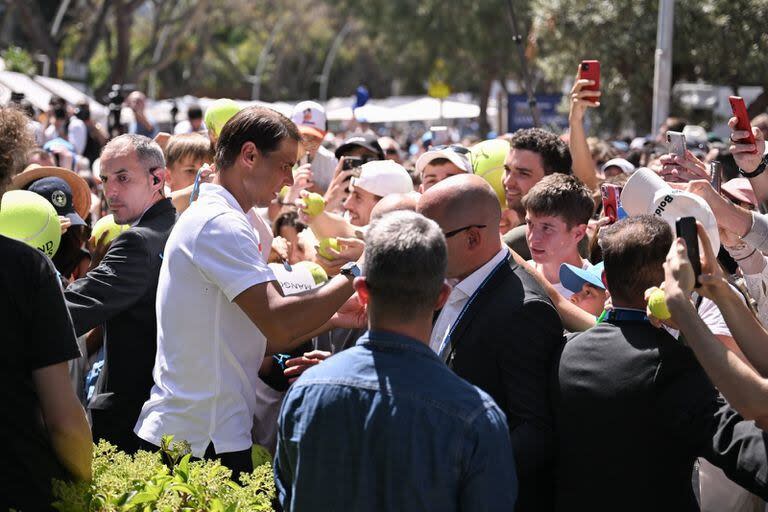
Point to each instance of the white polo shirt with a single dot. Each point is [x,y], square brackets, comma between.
[208,351]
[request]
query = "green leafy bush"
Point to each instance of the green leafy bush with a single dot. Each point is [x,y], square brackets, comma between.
[142,483]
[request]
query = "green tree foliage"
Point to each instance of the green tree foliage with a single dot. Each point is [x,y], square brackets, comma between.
[142,483]
[17,59]
[718,41]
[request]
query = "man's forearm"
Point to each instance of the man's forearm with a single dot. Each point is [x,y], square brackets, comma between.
[743,388]
[583,167]
[73,445]
[301,315]
[749,334]
[327,225]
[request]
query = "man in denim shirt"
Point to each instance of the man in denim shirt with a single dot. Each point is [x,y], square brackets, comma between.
[385,425]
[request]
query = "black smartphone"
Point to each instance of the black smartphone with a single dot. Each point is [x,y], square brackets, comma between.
[686,229]
[350,162]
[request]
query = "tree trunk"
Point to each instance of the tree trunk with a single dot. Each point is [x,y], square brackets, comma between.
[485,94]
[759,104]
[123,24]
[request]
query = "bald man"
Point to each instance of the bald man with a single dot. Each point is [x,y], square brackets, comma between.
[498,329]
[395,202]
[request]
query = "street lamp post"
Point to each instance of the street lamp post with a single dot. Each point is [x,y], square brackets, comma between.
[662,74]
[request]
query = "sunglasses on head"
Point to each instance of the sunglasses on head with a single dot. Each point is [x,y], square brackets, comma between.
[453,147]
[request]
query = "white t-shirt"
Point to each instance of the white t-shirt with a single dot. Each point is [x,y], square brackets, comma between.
[208,351]
[77,134]
[562,290]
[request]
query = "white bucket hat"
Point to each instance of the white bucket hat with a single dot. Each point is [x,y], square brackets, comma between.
[646,193]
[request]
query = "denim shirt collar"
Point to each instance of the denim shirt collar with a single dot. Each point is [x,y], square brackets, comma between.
[388,340]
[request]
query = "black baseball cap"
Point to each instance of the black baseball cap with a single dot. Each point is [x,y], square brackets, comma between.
[363,140]
[57,192]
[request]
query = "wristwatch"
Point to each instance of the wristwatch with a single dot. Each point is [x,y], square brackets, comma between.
[350,269]
[758,171]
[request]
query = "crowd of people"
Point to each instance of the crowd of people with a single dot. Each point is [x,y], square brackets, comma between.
[458,325]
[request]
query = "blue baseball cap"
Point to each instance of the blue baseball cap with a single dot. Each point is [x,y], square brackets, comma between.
[573,278]
[57,192]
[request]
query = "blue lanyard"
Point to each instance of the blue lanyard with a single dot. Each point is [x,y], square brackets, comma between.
[626,315]
[446,341]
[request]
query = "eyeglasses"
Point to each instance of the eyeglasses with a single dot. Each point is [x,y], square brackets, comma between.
[391,151]
[453,147]
[457,231]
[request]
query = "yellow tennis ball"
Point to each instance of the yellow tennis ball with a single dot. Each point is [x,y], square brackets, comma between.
[30,218]
[315,204]
[318,274]
[107,224]
[325,243]
[657,304]
[218,113]
[488,159]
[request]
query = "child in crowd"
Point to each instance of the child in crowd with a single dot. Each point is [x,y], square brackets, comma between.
[557,210]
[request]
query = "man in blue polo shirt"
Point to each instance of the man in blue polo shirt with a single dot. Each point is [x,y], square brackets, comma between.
[386,422]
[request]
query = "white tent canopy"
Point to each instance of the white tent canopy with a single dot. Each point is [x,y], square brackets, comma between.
[429,109]
[11,81]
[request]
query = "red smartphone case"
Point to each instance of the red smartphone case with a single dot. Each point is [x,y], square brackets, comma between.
[590,70]
[742,118]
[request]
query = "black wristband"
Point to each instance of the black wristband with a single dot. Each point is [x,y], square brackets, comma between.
[758,171]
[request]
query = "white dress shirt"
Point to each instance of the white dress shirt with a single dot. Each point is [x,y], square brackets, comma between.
[459,297]
[208,351]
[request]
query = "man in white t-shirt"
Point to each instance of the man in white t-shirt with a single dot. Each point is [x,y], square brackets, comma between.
[219,308]
[309,116]
[557,210]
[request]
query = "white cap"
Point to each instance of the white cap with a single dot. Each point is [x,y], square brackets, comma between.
[638,143]
[309,116]
[456,158]
[383,177]
[622,163]
[646,193]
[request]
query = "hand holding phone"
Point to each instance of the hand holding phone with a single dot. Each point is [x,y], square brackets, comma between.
[590,70]
[742,120]
[351,162]
[610,194]
[686,229]
[676,143]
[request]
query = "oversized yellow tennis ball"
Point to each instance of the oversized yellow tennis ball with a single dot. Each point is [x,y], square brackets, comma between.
[318,273]
[218,113]
[30,218]
[315,204]
[487,159]
[325,243]
[107,224]
[657,304]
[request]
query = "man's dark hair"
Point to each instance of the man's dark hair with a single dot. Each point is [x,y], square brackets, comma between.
[288,219]
[405,262]
[634,251]
[15,143]
[675,124]
[554,153]
[194,112]
[262,126]
[561,195]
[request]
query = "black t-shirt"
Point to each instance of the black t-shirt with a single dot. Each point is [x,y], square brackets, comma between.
[35,331]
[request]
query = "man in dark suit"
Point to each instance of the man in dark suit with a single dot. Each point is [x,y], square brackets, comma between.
[498,329]
[119,293]
[633,407]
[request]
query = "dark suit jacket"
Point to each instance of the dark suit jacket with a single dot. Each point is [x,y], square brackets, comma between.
[120,294]
[505,344]
[634,409]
